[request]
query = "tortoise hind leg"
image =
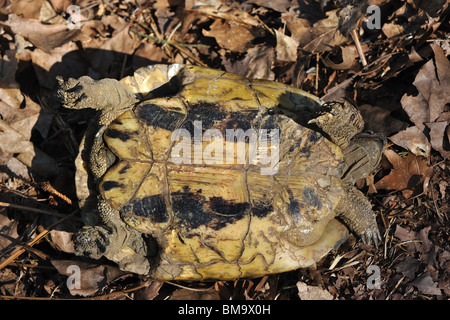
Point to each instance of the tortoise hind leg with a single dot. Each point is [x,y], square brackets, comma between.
[360,158]
[113,239]
[356,212]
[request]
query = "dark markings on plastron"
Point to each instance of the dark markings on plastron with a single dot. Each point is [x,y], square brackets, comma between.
[191,210]
[152,207]
[314,137]
[311,141]
[220,205]
[108,185]
[294,205]
[208,113]
[156,116]
[261,209]
[310,198]
[117,134]
[125,169]
[213,116]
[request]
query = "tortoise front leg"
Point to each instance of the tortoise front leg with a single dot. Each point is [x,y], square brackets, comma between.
[109,96]
[339,121]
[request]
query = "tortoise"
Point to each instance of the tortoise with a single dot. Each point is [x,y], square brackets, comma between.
[191,173]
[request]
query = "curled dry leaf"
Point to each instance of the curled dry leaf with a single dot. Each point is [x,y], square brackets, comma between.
[407,175]
[414,140]
[349,54]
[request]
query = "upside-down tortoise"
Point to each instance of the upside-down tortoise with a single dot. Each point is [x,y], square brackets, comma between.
[192,173]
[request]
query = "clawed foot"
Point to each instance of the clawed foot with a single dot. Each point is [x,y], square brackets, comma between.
[72,92]
[91,242]
[371,235]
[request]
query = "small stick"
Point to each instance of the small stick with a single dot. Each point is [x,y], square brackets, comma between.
[358,47]
[20,207]
[16,253]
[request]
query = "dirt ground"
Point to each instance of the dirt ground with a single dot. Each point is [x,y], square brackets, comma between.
[390,59]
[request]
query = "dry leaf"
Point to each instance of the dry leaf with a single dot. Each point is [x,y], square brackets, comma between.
[407,175]
[414,140]
[325,35]
[12,142]
[220,9]
[186,294]
[278,5]
[62,240]
[230,36]
[349,54]
[92,277]
[43,36]
[150,292]
[432,82]
[26,8]
[306,292]
[257,64]
[8,232]
[286,49]
[440,136]
[426,285]
[378,119]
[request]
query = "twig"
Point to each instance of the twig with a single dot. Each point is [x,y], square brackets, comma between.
[355,37]
[16,253]
[20,207]
[396,286]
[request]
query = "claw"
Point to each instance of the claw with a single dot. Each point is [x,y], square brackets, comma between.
[371,236]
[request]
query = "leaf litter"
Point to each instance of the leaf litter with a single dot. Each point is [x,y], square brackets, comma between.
[397,75]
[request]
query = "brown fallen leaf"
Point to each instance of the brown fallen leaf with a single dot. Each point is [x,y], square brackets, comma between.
[325,35]
[186,294]
[43,36]
[432,82]
[306,292]
[86,279]
[427,108]
[150,292]
[27,9]
[220,9]
[440,135]
[13,143]
[414,140]
[230,36]
[8,232]
[426,285]
[407,175]
[348,55]
[286,48]
[278,5]
[378,119]
[256,64]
